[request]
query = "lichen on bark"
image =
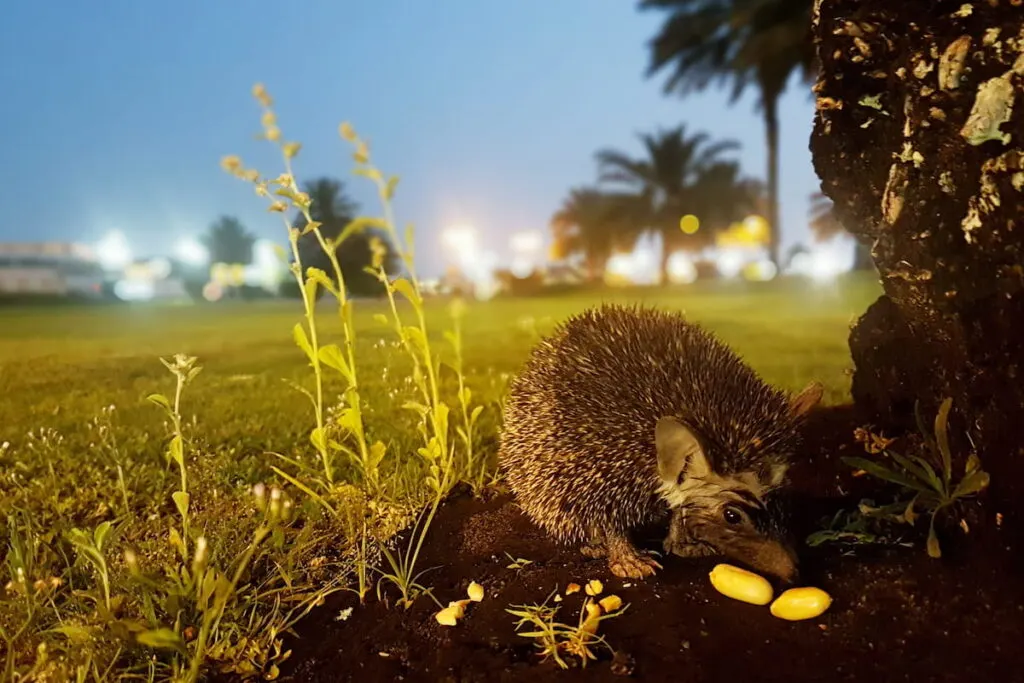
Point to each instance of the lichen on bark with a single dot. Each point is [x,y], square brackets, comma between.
[919,141]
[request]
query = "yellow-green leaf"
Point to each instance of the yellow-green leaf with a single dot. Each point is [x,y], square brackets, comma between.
[318,439]
[381,318]
[331,356]
[160,400]
[299,334]
[322,279]
[389,188]
[359,224]
[310,285]
[405,288]
[377,452]
[416,336]
[175,450]
[161,638]
[181,500]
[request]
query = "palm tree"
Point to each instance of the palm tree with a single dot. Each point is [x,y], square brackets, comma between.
[334,210]
[597,223]
[742,42]
[227,241]
[669,181]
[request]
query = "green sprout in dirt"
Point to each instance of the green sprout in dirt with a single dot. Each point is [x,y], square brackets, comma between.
[928,477]
[518,563]
[555,639]
[865,525]
[184,370]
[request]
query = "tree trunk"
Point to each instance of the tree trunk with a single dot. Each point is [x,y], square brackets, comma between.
[897,148]
[771,122]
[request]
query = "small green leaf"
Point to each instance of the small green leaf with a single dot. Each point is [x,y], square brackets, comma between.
[176,450]
[973,464]
[331,356]
[76,634]
[884,473]
[160,400]
[181,500]
[310,285]
[299,334]
[322,279]
[475,414]
[176,542]
[350,420]
[161,638]
[417,408]
[381,318]
[360,224]
[377,452]
[933,541]
[973,483]
[416,336]
[101,533]
[318,439]
[942,439]
[405,288]
[389,187]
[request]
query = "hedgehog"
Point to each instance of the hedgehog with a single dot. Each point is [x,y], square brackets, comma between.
[629,415]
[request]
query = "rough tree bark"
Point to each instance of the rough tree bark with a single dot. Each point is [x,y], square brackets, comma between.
[919,141]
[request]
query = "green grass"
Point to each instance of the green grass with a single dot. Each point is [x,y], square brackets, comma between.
[58,367]
[87,448]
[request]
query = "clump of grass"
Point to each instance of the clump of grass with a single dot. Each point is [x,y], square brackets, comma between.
[864,525]
[555,639]
[926,480]
[443,466]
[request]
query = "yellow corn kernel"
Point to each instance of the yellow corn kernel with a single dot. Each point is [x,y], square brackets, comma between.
[572,588]
[475,591]
[610,603]
[594,587]
[446,617]
[801,603]
[739,584]
[589,624]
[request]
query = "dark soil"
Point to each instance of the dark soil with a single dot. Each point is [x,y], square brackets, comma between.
[897,614]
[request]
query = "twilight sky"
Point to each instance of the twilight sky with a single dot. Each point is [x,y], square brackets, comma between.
[116,113]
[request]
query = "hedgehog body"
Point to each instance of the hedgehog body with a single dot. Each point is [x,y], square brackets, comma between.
[578,445]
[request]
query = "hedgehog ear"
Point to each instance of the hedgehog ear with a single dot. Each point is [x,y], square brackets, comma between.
[807,399]
[679,451]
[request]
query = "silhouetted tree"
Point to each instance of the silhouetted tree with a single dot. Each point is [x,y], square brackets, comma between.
[334,210]
[680,175]
[227,241]
[742,42]
[596,223]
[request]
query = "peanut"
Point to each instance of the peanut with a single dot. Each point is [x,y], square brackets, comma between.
[739,584]
[801,603]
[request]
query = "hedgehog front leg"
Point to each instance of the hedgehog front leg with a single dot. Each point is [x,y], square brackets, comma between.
[625,560]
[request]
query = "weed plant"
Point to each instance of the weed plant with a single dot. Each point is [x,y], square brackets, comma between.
[147,563]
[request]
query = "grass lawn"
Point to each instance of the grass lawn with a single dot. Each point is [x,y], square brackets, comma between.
[73,462]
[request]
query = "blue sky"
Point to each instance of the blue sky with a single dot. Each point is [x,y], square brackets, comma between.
[117,113]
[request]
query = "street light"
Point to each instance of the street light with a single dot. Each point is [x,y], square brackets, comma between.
[192,252]
[462,239]
[113,252]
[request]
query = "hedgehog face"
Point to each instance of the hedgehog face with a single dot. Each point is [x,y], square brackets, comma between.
[720,514]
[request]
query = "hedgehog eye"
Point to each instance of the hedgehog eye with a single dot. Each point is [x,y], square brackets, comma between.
[732,515]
